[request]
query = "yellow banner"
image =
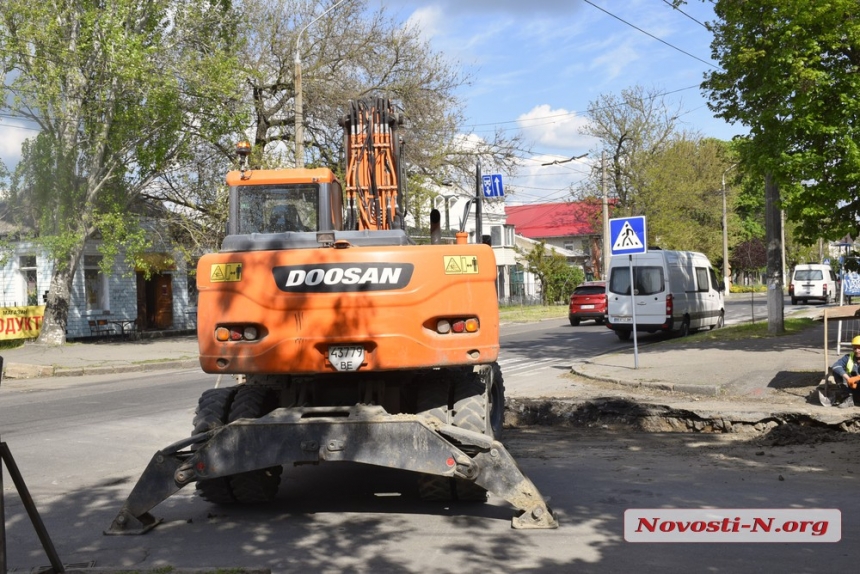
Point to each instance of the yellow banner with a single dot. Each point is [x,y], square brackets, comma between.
[21,322]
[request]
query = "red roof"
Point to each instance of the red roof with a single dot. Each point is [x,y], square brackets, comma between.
[554,219]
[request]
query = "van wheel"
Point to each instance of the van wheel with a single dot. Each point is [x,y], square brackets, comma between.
[793,301]
[623,335]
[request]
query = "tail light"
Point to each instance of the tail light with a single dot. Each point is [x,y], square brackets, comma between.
[237,333]
[669,306]
[460,325]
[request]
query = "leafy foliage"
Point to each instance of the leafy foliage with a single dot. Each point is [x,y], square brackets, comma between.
[557,278]
[789,72]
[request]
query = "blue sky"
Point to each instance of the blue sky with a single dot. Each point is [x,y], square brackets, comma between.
[535,66]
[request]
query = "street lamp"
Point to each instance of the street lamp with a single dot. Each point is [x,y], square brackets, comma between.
[726,281]
[299,127]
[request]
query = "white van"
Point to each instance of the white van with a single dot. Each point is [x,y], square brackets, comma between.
[812,281]
[675,292]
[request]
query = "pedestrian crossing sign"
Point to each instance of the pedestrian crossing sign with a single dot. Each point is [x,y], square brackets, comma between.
[627,235]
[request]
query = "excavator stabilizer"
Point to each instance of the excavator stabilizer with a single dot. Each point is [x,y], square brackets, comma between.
[364,434]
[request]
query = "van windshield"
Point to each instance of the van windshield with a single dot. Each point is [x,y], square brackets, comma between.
[808,275]
[648,280]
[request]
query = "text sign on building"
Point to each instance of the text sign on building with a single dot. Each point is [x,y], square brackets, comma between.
[492,185]
[627,235]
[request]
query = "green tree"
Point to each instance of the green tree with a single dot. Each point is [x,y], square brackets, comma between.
[682,196]
[347,53]
[556,277]
[632,128]
[120,89]
[789,73]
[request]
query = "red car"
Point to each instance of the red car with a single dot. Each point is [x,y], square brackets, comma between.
[588,302]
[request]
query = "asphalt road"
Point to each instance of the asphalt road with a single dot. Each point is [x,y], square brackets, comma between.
[81,443]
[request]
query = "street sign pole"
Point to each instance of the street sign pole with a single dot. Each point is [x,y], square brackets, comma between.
[628,237]
[633,313]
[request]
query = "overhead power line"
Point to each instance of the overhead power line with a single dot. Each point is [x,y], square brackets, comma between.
[650,35]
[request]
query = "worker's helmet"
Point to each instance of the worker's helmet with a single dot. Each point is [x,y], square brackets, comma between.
[855,342]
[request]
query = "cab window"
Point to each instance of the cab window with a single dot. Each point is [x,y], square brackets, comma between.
[278,209]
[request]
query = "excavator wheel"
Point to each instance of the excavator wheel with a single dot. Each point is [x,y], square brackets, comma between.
[477,404]
[213,409]
[257,486]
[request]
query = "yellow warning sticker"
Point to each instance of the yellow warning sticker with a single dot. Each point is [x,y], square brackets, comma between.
[225,272]
[460,264]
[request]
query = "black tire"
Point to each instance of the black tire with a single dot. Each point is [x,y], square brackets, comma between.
[623,335]
[477,403]
[574,322]
[213,409]
[434,395]
[684,331]
[793,301]
[599,321]
[256,486]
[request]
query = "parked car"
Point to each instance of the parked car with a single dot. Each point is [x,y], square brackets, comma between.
[812,281]
[588,301]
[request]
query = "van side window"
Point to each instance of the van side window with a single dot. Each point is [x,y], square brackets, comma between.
[702,279]
[715,283]
[649,280]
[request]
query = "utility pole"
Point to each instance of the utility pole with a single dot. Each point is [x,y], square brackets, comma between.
[606,248]
[726,277]
[299,112]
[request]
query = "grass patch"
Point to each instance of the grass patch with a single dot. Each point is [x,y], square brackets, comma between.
[526,313]
[745,331]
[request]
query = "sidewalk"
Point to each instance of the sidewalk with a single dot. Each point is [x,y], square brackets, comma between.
[100,357]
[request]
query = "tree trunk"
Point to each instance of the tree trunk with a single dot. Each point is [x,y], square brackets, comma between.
[59,298]
[773,238]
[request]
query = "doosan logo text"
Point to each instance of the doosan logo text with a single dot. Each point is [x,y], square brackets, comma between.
[339,278]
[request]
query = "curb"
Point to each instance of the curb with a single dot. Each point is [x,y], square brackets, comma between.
[27,371]
[705,390]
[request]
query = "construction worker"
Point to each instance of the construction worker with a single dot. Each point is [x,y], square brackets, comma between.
[848,368]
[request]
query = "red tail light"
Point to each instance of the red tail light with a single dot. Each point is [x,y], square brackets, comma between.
[669,305]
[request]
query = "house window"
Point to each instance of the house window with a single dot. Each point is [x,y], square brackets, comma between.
[509,235]
[496,235]
[27,264]
[95,284]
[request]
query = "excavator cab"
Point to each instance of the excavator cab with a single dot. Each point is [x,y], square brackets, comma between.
[310,202]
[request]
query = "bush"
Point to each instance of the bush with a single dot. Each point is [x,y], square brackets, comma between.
[748,289]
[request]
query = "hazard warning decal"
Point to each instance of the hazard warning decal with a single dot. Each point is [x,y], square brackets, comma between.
[225,272]
[461,264]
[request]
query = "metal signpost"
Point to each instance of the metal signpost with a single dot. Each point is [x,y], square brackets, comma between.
[27,501]
[627,237]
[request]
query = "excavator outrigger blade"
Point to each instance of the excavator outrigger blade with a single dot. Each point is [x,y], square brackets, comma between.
[364,434]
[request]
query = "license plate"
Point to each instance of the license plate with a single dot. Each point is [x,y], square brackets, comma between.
[346,357]
[621,320]
[586,306]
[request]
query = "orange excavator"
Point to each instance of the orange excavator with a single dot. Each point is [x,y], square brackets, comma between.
[350,342]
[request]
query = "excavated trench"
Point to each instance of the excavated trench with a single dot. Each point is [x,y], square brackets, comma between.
[615,413]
